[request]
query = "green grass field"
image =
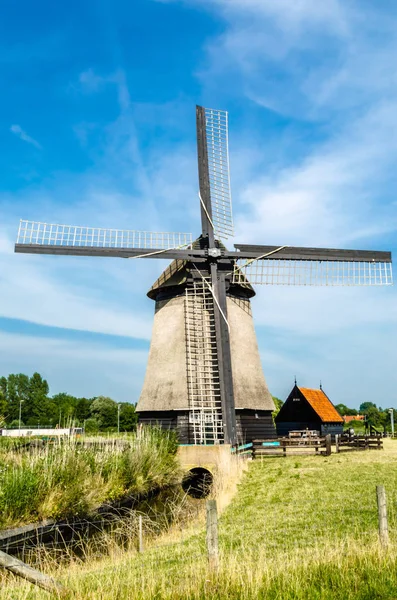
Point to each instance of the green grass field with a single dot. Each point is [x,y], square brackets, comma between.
[298,528]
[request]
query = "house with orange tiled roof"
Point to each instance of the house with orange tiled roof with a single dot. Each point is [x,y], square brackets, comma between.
[349,418]
[311,409]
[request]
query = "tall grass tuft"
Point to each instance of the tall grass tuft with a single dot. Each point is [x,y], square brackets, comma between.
[73,478]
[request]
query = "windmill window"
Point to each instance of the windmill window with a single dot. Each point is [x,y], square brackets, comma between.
[296,399]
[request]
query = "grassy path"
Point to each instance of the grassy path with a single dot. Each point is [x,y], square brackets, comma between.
[298,528]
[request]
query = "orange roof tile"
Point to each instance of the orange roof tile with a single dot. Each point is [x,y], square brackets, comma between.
[348,418]
[322,405]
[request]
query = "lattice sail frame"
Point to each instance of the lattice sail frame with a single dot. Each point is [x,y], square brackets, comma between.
[49,234]
[204,394]
[219,171]
[313,272]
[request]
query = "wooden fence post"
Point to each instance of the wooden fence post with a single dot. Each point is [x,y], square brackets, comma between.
[212,535]
[22,570]
[382,515]
[140,533]
[284,446]
[328,444]
[337,443]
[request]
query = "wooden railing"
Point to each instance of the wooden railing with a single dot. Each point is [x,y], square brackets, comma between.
[346,442]
[307,446]
[288,446]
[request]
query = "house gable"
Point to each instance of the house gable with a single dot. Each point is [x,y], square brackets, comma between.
[297,409]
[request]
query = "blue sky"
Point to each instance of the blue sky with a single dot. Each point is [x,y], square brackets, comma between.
[97,127]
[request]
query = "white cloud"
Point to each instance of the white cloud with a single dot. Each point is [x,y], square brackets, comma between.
[92,369]
[91,82]
[337,188]
[125,189]
[311,312]
[307,59]
[19,132]
[290,16]
[60,293]
[333,196]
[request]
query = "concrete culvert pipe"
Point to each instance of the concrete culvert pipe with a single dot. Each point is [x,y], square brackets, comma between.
[197,482]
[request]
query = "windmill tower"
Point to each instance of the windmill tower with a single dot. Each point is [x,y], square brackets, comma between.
[204,375]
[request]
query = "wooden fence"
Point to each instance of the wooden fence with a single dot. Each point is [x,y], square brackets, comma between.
[346,443]
[307,446]
[289,446]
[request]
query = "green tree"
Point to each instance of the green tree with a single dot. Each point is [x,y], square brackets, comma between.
[83,406]
[17,395]
[351,412]
[374,417]
[4,408]
[344,410]
[36,407]
[278,404]
[63,408]
[104,410]
[91,426]
[128,417]
[365,406]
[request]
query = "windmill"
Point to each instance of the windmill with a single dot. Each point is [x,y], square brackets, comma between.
[204,375]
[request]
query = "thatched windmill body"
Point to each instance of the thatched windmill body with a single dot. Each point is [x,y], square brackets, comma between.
[204,374]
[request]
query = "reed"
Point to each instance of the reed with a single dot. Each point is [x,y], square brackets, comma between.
[71,478]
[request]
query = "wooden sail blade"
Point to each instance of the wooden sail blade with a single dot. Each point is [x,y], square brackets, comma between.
[248,251]
[214,171]
[46,238]
[273,271]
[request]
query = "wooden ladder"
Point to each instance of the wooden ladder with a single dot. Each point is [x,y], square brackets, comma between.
[205,414]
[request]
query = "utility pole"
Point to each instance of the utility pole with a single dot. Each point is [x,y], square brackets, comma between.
[391,411]
[118,418]
[20,414]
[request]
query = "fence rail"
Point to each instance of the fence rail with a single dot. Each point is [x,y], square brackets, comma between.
[322,446]
[346,443]
[288,446]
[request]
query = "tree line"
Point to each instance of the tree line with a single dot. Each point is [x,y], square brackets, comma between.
[376,416]
[27,400]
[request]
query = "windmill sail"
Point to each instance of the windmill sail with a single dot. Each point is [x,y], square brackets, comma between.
[214,172]
[49,234]
[309,272]
[312,266]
